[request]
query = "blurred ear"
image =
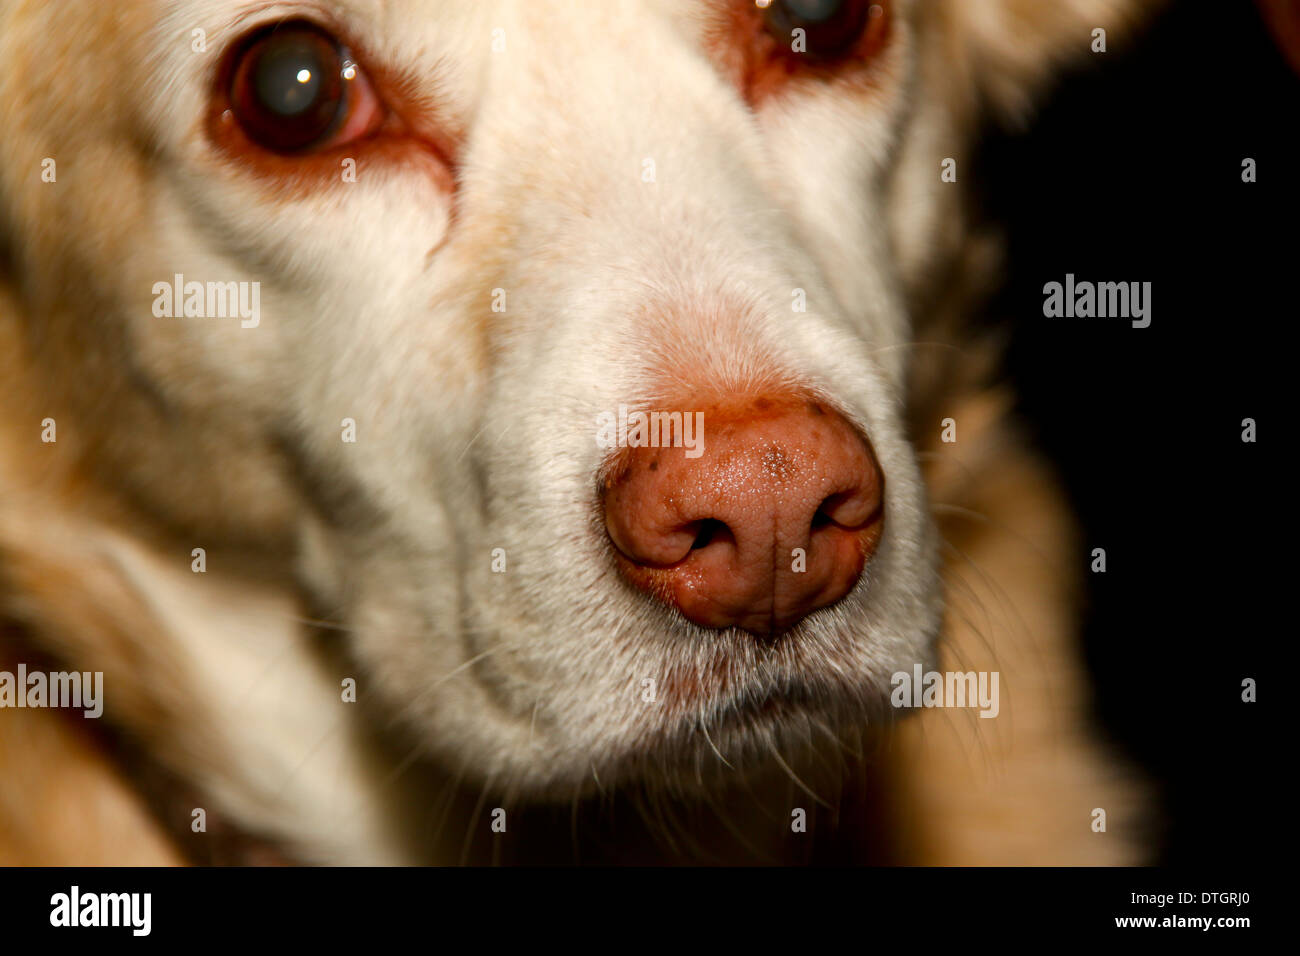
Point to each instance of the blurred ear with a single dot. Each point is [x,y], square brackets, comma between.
[1283,19]
[1009,50]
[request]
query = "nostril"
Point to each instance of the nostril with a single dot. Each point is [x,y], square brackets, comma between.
[712,531]
[849,509]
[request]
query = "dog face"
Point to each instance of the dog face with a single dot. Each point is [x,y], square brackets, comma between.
[475,235]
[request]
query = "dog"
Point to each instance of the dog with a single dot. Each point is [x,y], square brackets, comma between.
[433,419]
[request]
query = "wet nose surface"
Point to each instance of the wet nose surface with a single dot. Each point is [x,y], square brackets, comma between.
[775,519]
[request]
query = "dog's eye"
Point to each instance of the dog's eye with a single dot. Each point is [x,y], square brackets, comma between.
[830,28]
[295,89]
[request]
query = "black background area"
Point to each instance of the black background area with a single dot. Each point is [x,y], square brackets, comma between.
[1133,172]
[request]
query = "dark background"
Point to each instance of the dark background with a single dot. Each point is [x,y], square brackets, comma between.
[1132,172]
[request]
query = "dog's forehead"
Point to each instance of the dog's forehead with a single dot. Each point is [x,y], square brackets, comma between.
[417,32]
[459,54]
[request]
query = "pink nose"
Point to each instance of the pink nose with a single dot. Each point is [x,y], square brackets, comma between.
[775,519]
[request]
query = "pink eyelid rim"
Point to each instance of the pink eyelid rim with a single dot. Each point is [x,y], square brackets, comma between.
[366,112]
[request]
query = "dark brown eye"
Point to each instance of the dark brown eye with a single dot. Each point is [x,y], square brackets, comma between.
[294,89]
[830,28]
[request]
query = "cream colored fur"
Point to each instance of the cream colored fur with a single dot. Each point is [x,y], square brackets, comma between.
[474,426]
